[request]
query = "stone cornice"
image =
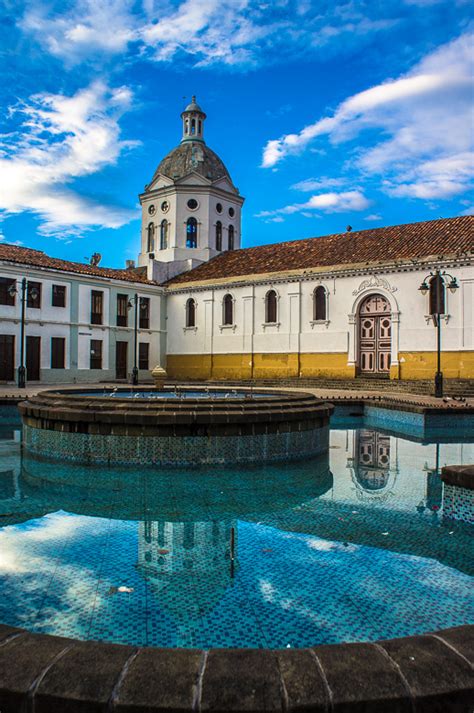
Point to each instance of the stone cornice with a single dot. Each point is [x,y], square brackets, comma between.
[169,190]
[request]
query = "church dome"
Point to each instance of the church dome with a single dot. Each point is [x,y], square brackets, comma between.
[194,106]
[192,156]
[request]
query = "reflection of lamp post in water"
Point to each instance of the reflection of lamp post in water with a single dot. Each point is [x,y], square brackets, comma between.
[434,487]
[33,294]
[436,287]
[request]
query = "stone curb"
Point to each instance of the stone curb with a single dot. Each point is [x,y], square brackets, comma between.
[462,476]
[431,673]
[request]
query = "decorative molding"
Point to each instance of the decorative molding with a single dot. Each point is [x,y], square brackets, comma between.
[266,325]
[431,318]
[314,322]
[374,281]
[232,327]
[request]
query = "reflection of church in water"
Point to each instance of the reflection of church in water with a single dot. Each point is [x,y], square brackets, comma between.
[370,467]
[175,557]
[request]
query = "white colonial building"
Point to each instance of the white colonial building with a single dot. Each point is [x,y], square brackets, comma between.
[336,306]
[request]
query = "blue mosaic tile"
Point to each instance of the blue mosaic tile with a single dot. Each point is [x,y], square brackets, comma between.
[175,451]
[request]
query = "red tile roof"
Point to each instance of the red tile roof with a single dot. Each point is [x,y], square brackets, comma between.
[37,258]
[446,236]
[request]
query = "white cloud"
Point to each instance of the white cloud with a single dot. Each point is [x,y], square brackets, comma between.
[373,217]
[211,30]
[425,114]
[326,202]
[439,178]
[63,138]
[317,184]
[233,33]
[104,26]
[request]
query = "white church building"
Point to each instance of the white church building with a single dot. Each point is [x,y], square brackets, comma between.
[200,305]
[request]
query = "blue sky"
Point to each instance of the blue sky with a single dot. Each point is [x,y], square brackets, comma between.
[325,113]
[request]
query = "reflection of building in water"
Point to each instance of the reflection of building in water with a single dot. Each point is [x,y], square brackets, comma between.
[177,556]
[9,453]
[370,466]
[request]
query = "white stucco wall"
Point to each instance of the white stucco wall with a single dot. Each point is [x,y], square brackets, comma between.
[295,330]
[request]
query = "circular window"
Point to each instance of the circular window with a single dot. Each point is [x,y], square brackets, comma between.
[165,206]
[219,207]
[151,209]
[231,212]
[192,204]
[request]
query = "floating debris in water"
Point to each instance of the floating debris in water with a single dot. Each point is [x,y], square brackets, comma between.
[163,551]
[121,589]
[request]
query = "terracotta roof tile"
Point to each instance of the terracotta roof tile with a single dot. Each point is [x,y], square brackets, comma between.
[446,236]
[37,258]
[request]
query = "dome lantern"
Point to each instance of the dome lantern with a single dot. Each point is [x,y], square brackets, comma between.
[193,122]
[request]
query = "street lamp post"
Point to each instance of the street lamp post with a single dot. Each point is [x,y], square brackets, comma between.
[437,280]
[23,296]
[134,303]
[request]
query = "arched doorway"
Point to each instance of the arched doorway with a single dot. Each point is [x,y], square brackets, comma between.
[375,330]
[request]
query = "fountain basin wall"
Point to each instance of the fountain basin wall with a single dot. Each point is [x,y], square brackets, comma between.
[157,428]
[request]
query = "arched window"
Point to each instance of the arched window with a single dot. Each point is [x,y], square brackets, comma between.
[191,233]
[163,234]
[271,307]
[186,126]
[319,304]
[190,313]
[200,126]
[231,237]
[437,295]
[150,238]
[218,235]
[228,310]
[193,126]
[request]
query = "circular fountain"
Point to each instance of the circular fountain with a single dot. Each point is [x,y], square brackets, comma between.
[185,426]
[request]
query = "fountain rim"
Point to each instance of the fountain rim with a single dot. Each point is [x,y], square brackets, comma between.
[104,393]
[59,671]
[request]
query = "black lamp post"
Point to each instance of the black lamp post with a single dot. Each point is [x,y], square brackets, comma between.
[134,302]
[437,280]
[12,290]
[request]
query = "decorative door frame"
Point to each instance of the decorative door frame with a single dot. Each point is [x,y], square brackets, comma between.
[353,333]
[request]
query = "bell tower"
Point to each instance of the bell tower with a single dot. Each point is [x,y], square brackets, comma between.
[193,122]
[191,210]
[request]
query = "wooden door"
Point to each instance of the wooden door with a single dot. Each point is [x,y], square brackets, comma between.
[7,357]
[33,358]
[121,350]
[374,335]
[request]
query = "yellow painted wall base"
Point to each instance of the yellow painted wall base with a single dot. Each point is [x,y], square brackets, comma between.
[329,366]
[395,371]
[422,365]
[236,367]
